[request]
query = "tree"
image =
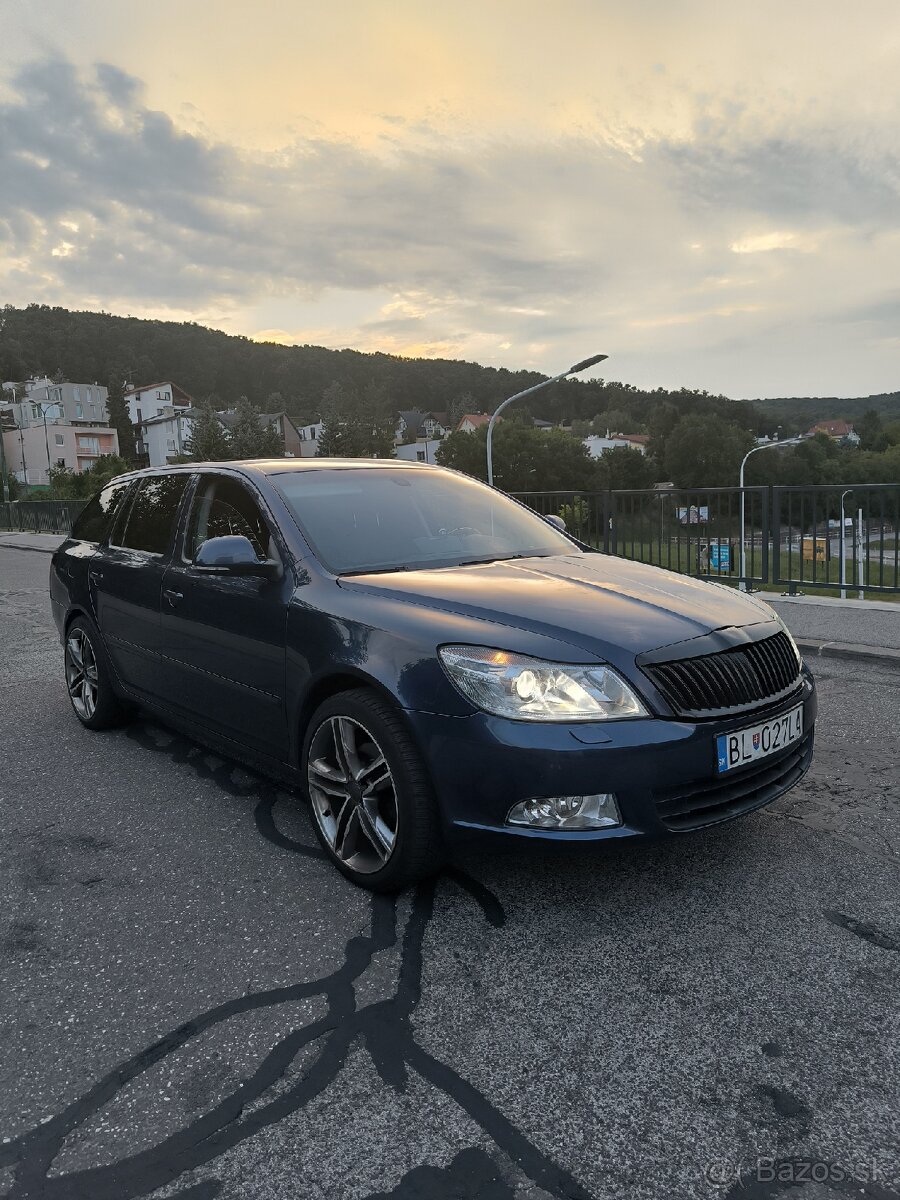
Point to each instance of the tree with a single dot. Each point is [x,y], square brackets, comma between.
[616,420]
[525,459]
[871,431]
[342,436]
[375,424]
[462,403]
[624,467]
[705,452]
[252,438]
[207,441]
[75,485]
[662,421]
[119,417]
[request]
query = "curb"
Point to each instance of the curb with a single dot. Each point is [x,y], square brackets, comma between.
[882,654]
[31,549]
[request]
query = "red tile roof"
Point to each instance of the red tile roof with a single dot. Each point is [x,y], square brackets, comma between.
[835,429]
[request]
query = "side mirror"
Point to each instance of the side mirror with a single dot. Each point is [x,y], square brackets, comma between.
[557,522]
[233,555]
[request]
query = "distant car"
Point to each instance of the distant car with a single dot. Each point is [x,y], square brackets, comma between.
[423,656]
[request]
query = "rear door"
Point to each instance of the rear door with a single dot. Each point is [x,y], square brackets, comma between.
[224,636]
[126,580]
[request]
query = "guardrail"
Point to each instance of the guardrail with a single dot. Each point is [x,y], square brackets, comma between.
[790,536]
[40,516]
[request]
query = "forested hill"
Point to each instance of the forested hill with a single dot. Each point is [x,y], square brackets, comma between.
[95,346]
[803,411]
[88,346]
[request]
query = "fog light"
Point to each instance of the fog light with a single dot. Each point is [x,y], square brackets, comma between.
[566,812]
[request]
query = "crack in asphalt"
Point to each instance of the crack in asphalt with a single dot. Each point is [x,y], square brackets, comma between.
[383,1026]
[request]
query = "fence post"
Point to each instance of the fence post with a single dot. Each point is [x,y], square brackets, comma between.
[609,502]
[766,502]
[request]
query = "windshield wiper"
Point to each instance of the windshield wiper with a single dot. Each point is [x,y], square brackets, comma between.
[374,571]
[473,562]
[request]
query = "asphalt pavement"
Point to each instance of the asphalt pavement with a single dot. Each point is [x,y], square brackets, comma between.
[195,1004]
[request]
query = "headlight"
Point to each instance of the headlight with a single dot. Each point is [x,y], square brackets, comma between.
[529,689]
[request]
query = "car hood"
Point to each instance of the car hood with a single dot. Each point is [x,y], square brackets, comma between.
[594,601]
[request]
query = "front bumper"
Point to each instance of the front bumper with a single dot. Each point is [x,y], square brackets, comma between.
[481,765]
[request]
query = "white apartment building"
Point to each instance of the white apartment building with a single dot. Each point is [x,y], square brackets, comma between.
[167,434]
[424,451]
[309,439]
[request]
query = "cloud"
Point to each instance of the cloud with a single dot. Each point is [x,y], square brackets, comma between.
[525,251]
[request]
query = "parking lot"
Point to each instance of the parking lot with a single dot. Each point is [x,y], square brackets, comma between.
[195,1004]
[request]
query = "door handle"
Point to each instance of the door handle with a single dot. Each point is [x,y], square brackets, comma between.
[95,573]
[172,596]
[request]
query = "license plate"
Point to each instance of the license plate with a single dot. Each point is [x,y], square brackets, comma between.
[753,742]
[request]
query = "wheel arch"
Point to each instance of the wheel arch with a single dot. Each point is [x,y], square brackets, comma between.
[322,689]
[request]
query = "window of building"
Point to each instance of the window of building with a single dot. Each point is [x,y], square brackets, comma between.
[223,507]
[79,409]
[151,520]
[60,462]
[36,411]
[170,445]
[420,456]
[90,445]
[76,392]
[59,439]
[96,517]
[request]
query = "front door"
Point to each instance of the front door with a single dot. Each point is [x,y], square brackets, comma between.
[126,576]
[224,635]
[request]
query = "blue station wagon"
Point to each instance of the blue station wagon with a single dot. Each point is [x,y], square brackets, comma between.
[421,657]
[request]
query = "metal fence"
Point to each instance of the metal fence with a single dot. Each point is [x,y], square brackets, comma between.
[796,538]
[40,516]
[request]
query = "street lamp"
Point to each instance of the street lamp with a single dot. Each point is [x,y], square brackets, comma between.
[742,584]
[581,366]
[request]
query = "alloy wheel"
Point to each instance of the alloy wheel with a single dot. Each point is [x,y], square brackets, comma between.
[81,674]
[353,795]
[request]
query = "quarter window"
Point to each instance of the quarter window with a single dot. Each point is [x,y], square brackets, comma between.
[151,520]
[223,507]
[97,516]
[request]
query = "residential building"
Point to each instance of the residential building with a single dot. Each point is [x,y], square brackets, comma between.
[166,436]
[422,451]
[152,400]
[56,425]
[420,425]
[597,445]
[285,428]
[838,431]
[472,421]
[309,439]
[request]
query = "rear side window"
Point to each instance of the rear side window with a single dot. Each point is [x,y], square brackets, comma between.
[96,518]
[151,519]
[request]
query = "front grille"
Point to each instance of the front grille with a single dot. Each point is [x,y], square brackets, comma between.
[731,681]
[693,806]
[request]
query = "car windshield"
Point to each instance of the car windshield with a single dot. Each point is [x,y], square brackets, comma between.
[361,520]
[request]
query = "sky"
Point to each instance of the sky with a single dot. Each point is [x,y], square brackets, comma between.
[707,191]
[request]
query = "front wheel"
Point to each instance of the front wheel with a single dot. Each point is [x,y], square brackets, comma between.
[88,678]
[371,799]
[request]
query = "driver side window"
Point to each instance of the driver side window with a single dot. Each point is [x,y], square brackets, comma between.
[223,507]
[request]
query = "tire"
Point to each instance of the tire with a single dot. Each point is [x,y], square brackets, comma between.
[89,678]
[371,801]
